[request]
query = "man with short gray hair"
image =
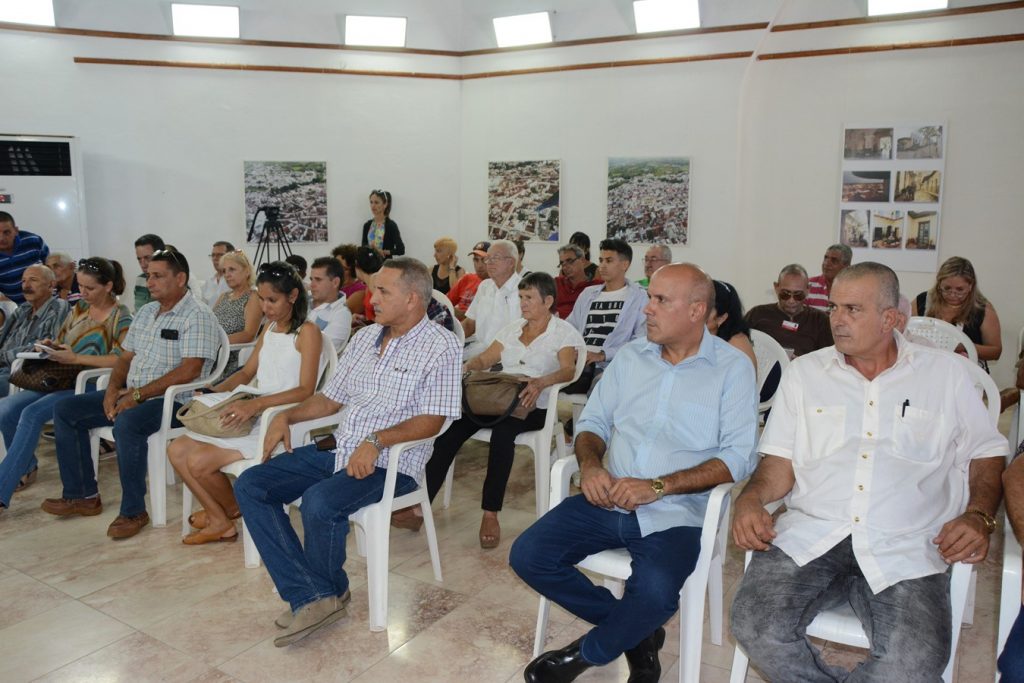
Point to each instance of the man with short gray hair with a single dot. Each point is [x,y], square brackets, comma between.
[657,256]
[837,257]
[40,317]
[798,328]
[572,278]
[496,303]
[66,284]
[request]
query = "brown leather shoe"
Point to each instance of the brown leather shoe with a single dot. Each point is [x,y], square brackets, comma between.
[65,507]
[126,527]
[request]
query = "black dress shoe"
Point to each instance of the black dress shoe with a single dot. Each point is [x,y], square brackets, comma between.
[558,666]
[644,666]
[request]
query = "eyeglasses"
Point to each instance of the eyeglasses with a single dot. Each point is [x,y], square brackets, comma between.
[655,260]
[798,295]
[567,262]
[955,291]
[216,255]
[493,259]
[167,253]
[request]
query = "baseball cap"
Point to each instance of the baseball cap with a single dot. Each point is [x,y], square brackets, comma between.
[480,248]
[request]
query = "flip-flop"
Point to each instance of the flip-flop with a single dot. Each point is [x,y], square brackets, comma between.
[201,537]
[199,520]
[27,480]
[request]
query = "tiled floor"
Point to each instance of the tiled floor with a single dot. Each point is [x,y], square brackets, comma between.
[76,606]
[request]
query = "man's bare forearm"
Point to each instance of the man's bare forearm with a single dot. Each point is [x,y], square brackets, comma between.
[1013,489]
[119,374]
[188,371]
[986,484]
[314,407]
[772,480]
[413,429]
[703,477]
[590,450]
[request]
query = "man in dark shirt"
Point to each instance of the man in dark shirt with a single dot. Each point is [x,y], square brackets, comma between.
[797,327]
[572,279]
[19,249]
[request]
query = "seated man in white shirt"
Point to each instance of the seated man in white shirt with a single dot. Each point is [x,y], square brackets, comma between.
[216,285]
[890,466]
[329,310]
[496,303]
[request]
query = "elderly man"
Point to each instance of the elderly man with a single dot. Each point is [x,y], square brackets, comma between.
[837,257]
[18,250]
[1011,661]
[656,257]
[496,303]
[65,283]
[216,285]
[145,247]
[172,340]
[572,280]
[461,295]
[676,416]
[890,467]
[329,309]
[38,317]
[398,379]
[798,328]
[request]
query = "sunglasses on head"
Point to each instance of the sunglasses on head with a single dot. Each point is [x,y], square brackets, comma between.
[278,270]
[169,254]
[90,266]
[785,295]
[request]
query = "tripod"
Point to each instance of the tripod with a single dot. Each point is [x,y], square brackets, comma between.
[272,232]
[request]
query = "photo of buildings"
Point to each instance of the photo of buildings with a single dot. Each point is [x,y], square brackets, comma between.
[522,200]
[922,228]
[853,228]
[886,229]
[923,142]
[866,186]
[649,199]
[917,186]
[298,188]
[868,143]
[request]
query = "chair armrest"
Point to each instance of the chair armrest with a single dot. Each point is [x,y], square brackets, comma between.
[394,454]
[101,375]
[172,391]
[265,418]
[16,365]
[561,473]
[301,430]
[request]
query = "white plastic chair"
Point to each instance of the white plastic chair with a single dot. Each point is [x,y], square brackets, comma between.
[161,474]
[539,442]
[244,350]
[373,522]
[942,334]
[768,353]
[328,361]
[446,302]
[615,565]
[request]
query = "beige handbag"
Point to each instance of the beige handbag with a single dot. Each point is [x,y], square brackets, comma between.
[203,419]
[492,394]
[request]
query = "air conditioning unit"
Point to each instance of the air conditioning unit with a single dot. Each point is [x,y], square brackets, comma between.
[41,186]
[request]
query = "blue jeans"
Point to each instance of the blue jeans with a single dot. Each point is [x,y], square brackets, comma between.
[5,381]
[74,416]
[311,570]
[22,416]
[907,624]
[545,554]
[1011,661]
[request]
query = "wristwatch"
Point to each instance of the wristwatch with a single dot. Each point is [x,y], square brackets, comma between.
[137,396]
[659,488]
[990,521]
[374,441]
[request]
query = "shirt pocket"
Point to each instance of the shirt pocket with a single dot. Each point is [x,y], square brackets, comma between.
[916,434]
[826,430]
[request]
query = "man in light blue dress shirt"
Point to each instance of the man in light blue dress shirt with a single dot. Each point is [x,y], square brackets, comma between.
[676,414]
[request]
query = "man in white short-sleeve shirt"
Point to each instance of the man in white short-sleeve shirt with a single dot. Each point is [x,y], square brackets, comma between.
[329,310]
[496,303]
[890,467]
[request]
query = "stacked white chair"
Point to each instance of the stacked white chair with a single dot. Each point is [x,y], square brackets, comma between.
[442,299]
[942,334]
[768,353]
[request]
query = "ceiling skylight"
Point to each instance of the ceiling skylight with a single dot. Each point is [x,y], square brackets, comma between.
[877,7]
[523,29]
[665,15]
[375,31]
[204,21]
[38,12]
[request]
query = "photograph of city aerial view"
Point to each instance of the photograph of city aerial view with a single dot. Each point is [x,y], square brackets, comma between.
[299,188]
[522,200]
[649,199]
[865,186]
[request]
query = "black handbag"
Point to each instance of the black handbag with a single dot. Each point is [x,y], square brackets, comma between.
[45,375]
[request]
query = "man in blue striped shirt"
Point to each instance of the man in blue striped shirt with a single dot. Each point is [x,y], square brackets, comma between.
[676,415]
[19,249]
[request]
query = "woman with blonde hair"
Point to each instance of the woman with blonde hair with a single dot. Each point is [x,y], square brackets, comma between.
[237,310]
[956,298]
[447,271]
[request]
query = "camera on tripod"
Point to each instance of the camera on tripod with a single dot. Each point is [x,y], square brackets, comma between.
[272,232]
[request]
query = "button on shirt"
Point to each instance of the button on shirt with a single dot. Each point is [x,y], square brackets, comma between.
[493,307]
[658,418]
[885,461]
[155,356]
[541,356]
[420,373]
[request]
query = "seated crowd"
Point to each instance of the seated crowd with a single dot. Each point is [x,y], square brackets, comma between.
[890,466]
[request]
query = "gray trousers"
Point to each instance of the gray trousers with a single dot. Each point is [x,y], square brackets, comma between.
[907,624]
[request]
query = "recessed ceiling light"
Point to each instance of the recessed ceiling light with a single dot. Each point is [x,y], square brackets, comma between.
[523,29]
[877,7]
[665,15]
[204,21]
[38,12]
[376,31]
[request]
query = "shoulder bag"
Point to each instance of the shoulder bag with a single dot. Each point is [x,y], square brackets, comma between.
[492,394]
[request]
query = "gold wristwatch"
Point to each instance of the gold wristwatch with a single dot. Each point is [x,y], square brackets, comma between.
[990,521]
[137,395]
[659,488]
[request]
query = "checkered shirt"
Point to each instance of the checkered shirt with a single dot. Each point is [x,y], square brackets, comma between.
[420,373]
[198,337]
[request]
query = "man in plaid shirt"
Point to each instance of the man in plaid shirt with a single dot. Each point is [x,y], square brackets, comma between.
[398,380]
[172,340]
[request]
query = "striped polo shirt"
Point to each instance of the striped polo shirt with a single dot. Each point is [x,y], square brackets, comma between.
[29,249]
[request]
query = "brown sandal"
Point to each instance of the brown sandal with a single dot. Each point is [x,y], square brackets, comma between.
[490,533]
[406,519]
[27,480]
[203,537]
[199,520]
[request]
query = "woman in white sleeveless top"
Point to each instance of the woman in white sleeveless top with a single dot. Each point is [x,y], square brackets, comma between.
[285,365]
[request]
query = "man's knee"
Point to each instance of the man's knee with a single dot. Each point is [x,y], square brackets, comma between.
[525,558]
[247,487]
[745,626]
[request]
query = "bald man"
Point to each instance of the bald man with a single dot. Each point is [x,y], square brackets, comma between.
[39,317]
[676,414]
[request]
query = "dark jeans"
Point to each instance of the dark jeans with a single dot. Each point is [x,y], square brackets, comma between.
[1011,661]
[545,554]
[74,416]
[907,624]
[308,571]
[499,460]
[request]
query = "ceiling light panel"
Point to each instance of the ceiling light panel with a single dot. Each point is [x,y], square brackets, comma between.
[523,29]
[204,21]
[375,31]
[877,7]
[665,15]
[37,12]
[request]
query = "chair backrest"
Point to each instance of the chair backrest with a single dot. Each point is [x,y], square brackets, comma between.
[942,334]
[769,353]
[328,361]
[984,383]
[222,356]
[446,302]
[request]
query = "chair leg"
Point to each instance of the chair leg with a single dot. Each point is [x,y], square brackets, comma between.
[186,509]
[377,546]
[252,554]
[969,610]
[157,457]
[541,474]
[541,635]
[428,526]
[715,600]
[449,479]
[94,451]
[740,663]
[360,541]
[561,448]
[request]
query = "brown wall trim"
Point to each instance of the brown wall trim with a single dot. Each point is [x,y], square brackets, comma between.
[409,74]
[957,42]
[930,14]
[91,33]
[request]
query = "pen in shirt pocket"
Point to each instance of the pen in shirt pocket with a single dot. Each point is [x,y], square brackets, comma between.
[906,404]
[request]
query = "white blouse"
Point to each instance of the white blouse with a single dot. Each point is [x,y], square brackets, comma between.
[541,356]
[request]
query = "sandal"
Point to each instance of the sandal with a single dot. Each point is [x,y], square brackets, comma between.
[203,537]
[490,533]
[406,519]
[199,520]
[27,480]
